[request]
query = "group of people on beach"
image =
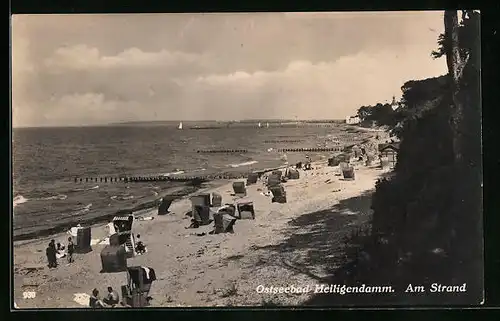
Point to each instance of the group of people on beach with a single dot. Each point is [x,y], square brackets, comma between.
[111,299]
[54,251]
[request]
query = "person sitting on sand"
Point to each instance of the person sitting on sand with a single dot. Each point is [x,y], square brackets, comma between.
[95,301]
[60,253]
[139,246]
[112,298]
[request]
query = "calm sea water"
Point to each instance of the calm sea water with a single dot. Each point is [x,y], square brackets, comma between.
[46,160]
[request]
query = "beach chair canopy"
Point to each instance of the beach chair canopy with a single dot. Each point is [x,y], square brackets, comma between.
[229,209]
[123,223]
[202,199]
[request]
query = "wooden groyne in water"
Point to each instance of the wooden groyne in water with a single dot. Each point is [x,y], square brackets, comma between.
[161,178]
[317,149]
[176,178]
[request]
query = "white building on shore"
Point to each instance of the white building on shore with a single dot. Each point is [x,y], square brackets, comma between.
[352,120]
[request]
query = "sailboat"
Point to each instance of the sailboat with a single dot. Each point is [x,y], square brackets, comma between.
[259,125]
[267,125]
[180,126]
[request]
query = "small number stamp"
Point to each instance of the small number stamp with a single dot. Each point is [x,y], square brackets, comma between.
[29,295]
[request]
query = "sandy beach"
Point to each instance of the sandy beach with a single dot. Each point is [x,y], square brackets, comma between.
[223,269]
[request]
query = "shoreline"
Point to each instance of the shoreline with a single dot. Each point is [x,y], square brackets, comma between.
[183,192]
[180,193]
[188,179]
[187,263]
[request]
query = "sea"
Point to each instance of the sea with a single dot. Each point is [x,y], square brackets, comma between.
[46,161]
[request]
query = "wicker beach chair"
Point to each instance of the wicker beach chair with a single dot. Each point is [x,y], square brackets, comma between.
[202,215]
[246,211]
[113,259]
[216,200]
[293,174]
[252,178]
[239,189]
[83,240]
[223,223]
[279,194]
[273,180]
[348,173]
[165,205]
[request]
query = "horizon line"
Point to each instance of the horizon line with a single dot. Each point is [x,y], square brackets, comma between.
[175,121]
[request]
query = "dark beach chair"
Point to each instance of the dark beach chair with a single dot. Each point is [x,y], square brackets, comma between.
[293,174]
[252,178]
[279,194]
[165,205]
[202,215]
[348,173]
[239,189]
[113,259]
[136,293]
[277,172]
[223,223]
[273,180]
[216,200]
[246,211]
[83,240]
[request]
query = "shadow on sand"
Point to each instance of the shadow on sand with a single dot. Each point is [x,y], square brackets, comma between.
[333,246]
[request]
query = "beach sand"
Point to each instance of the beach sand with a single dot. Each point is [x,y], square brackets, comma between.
[297,243]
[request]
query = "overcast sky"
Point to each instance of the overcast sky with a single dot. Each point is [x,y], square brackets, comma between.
[95,69]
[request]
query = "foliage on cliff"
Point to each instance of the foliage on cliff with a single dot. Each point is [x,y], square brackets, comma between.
[379,114]
[429,210]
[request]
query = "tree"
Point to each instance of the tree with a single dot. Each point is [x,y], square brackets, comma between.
[456,64]
[364,112]
[434,198]
[381,114]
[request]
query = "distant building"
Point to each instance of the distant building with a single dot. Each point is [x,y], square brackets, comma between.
[352,120]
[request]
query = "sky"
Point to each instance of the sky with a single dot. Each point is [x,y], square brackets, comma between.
[72,70]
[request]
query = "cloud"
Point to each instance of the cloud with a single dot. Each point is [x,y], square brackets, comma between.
[82,57]
[325,89]
[87,109]
[308,90]
[109,68]
[23,72]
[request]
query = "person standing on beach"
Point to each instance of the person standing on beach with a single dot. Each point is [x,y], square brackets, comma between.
[71,250]
[51,254]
